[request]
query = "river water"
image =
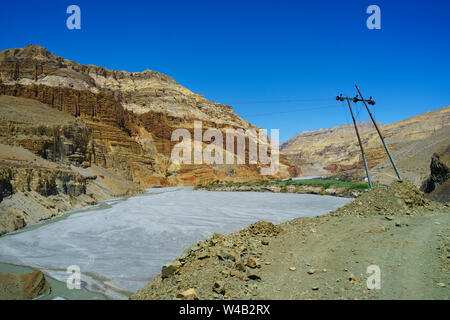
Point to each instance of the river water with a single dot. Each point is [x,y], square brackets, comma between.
[120,245]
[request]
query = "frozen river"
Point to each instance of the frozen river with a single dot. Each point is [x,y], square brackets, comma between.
[120,245]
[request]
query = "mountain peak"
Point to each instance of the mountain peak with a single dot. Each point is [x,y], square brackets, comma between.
[31,51]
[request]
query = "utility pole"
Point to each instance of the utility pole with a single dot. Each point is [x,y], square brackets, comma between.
[340,98]
[378,130]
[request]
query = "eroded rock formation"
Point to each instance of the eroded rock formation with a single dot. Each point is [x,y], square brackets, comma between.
[131,116]
[45,165]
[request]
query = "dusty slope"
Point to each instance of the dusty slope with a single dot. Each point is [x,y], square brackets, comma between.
[336,149]
[326,257]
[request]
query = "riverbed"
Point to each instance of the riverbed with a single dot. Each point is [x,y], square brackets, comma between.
[121,244]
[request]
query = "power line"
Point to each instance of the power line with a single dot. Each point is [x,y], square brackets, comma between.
[360,108]
[287,111]
[278,101]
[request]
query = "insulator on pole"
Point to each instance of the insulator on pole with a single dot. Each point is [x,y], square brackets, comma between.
[369,178]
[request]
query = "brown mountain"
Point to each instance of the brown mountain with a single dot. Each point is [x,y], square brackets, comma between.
[412,142]
[72,134]
[131,116]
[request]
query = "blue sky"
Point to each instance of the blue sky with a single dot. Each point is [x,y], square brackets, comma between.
[251,54]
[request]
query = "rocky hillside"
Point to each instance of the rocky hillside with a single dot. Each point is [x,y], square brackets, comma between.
[131,116]
[336,149]
[44,165]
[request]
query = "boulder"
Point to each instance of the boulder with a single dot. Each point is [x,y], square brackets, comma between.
[189,294]
[439,170]
[170,269]
[252,262]
[219,287]
[253,274]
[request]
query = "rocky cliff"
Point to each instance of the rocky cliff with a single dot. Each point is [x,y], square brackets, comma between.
[44,165]
[131,116]
[34,189]
[438,183]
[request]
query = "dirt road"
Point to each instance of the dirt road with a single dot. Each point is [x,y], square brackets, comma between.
[331,259]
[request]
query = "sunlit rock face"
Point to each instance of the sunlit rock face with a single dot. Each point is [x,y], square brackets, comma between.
[131,116]
[46,164]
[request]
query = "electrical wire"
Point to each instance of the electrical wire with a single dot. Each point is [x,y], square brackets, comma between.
[357,114]
[289,111]
[279,101]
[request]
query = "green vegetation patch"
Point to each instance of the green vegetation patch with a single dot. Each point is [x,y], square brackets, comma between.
[324,183]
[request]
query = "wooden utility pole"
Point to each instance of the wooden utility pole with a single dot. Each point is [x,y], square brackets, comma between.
[340,98]
[379,132]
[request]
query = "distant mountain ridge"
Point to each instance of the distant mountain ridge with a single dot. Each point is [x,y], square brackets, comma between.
[336,149]
[345,129]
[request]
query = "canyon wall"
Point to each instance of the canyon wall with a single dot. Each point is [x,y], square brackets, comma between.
[45,166]
[130,115]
